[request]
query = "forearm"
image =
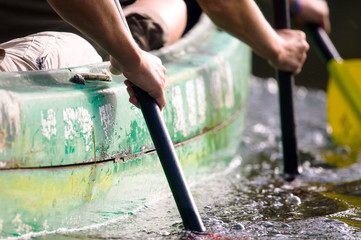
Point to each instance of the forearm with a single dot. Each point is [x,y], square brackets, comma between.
[309,11]
[103,25]
[244,20]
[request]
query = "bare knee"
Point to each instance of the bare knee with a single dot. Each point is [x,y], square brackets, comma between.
[170,14]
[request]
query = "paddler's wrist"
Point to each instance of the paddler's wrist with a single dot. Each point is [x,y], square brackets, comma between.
[133,60]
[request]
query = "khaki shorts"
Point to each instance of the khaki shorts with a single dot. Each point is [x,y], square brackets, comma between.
[148,30]
[46,50]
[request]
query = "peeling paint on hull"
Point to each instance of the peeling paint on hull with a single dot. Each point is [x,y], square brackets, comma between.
[76,155]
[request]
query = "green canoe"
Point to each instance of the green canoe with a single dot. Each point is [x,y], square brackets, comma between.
[76,155]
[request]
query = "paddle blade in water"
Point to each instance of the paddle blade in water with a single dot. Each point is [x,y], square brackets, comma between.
[344,102]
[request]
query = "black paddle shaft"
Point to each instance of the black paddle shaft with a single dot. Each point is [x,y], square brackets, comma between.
[169,161]
[325,47]
[167,156]
[285,86]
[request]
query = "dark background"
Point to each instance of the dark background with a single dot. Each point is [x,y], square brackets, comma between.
[345,19]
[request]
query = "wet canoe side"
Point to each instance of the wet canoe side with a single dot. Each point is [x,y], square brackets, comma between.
[74,155]
[74,197]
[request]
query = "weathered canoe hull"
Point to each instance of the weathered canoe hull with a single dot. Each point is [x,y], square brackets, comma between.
[74,197]
[74,155]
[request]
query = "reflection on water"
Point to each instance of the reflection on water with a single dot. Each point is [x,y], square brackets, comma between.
[250,200]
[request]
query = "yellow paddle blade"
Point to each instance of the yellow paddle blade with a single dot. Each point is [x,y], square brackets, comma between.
[344,102]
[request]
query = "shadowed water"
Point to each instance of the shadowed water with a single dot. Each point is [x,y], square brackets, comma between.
[250,200]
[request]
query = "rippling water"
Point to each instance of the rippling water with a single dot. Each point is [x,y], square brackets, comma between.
[250,200]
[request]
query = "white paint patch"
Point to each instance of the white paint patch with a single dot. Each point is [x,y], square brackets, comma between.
[78,123]
[10,111]
[94,192]
[22,227]
[191,101]
[180,122]
[106,119]
[48,123]
[229,86]
[17,219]
[216,89]
[45,224]
[226,71]
[3,164]
[201,99]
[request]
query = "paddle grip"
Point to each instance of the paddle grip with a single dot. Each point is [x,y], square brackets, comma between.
[169,161]
[325,47]
[285,86]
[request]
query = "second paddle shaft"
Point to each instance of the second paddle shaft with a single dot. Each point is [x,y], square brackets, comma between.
[285,85]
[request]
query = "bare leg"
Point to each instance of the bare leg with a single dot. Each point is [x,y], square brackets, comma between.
[169,15]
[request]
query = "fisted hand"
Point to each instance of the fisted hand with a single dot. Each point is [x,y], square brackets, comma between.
[292,51]
[314,12]
[149,75]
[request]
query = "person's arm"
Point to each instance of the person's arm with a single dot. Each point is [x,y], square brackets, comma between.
[285,49]
[311,11]
[100,21]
